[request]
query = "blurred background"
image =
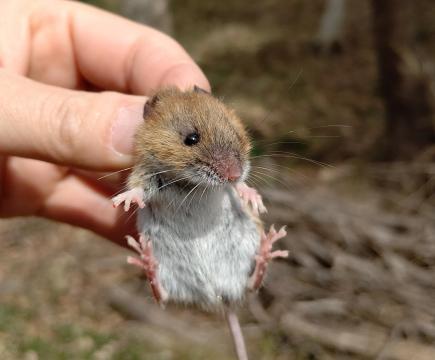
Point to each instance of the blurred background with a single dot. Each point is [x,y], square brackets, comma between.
[339,98]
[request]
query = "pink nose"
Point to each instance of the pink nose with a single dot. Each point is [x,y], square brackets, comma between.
[233,172]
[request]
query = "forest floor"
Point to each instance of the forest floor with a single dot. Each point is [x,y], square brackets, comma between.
[360,279]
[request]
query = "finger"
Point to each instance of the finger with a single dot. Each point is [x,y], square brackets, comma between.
[112,181]
[74,202]
[33,187]
[117,54]
[87,130]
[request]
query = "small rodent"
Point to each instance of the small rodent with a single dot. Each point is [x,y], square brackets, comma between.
[200,238]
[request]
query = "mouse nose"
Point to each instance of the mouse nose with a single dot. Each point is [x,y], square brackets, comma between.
[233,172]
[228,165]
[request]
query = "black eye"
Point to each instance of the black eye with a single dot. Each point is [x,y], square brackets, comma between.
[191,139]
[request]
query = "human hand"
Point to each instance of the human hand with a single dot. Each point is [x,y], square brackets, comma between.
[54,133]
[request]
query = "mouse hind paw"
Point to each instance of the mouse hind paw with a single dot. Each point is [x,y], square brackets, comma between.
[265,255]
[149,264]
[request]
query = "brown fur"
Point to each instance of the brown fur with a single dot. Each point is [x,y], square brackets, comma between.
[172,115]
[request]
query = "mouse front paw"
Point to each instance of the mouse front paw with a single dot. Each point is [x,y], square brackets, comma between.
[250,195]
[135,195]
[265,255]
[149,264]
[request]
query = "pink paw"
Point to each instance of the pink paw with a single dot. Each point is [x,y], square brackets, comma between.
[135,195]
[265,255]
[148,263]
[250,195]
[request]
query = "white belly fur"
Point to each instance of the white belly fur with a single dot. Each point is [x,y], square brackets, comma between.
[205,250]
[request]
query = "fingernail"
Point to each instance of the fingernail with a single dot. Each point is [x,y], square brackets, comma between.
[185,76]
[125,126]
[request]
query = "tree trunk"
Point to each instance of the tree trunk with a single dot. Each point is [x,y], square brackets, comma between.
[154,13]
[329,37]
[407,96]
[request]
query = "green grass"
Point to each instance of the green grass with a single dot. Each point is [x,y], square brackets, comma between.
[12,317]
[75,341]
[58,342]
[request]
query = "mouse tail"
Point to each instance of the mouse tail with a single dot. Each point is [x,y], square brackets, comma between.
[236,334]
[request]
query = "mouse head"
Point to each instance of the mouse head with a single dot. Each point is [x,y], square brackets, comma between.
[194,136]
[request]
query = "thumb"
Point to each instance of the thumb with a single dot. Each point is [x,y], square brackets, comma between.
[75,128]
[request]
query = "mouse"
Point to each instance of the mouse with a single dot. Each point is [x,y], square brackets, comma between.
[200,238]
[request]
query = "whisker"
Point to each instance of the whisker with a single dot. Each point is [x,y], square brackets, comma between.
[261,173]
[308,136]
[123,189]
[115,172]
[263,184]
[205,188]
[134,212]
[287,155]
[265,140]
[305,177]
[296,78]
[253,180]
[333,125]
[146,176]
[266,169]
[290,132]
[274,178]
[176,180]
[285,142]
[175,197]
[259,178]
[179,206]
[131,167]
[322,136]
[303,142]
[160,172]
[193,196]
[320,163]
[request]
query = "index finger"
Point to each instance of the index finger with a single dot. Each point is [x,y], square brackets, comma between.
[117,54]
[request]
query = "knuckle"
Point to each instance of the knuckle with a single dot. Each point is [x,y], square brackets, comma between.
[70,124]
[66,125]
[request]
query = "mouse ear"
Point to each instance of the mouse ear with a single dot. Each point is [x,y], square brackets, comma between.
[197,89]
[151,102]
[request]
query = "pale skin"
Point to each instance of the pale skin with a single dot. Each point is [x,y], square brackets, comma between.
[56,137]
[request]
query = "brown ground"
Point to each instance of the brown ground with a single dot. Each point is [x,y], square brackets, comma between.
[360,280]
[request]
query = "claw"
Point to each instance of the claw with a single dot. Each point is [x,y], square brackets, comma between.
[134,195]
[134,261]
[134,244]
[250,195]
[148,264]
[266,254]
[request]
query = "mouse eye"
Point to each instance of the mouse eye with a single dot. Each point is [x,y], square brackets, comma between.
[191,139]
